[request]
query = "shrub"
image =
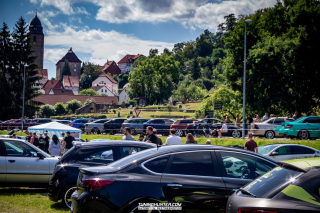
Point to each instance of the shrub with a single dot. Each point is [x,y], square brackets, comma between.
[46,111]
[60,108]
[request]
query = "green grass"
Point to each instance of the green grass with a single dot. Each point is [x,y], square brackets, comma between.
[17,133]
[26,200]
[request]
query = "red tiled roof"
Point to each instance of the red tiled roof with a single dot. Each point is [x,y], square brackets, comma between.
[62,92]
[43,73]
[52,84]
[96,88]
[127,57]
[109,77]
[70,81]
[53,99]
[111,67]
[70,56]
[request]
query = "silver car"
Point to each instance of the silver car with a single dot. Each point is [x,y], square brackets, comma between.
[22,164]
[267,128]
[95,126]
[135,124]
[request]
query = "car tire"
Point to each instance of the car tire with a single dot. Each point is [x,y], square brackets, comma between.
[133,131]
[67,195]
[236,134]
[179,132]
[269,134]
[303,135]
[134,208]
[95,130]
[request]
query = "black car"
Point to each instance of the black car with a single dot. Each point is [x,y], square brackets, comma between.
[162,125]
[113,126]
[64,178]
[198,177]
[293,187]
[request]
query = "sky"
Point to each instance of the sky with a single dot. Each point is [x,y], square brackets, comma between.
[101,30]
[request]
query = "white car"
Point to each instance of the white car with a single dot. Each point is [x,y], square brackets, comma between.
[22,164]
[95,126]
[281,152]
[267,128]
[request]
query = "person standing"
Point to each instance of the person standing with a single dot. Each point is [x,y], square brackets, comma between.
[46,142]
[227,120]
[295,116]
[256,118]
[28,138]
[238,121]
[141,137]
[14,136]
[151,138]
[127,134]
[224,129]
[55,148]
[190,139]
[265,117]
[288,115]
[251,144]
[159,141]
[35,140]
[173,139]
[68,142]
[41,142]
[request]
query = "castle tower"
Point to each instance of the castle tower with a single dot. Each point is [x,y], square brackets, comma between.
[74,63]
[37,40]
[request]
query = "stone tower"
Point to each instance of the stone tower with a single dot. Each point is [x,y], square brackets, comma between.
[37,40]
[74,63]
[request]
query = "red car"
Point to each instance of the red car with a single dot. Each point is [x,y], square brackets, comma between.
[181,126]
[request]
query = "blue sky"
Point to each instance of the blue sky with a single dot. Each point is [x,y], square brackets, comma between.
[101,30]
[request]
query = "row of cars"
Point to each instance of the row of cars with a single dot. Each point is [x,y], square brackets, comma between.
[17,123]
[199,177]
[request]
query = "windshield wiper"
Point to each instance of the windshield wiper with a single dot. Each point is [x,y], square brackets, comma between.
[244,191]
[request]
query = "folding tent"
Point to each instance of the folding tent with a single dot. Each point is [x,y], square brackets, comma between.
[55,128]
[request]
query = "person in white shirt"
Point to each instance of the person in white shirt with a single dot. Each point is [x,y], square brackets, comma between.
[265,117]
[224,129]
[173,139]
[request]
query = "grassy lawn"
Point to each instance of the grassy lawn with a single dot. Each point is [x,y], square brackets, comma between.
[26,200]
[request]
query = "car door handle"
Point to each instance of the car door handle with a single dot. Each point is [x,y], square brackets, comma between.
[11,161]
[174,185]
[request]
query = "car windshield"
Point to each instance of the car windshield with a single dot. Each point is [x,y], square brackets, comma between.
[266,149]
[298,119]
[271,183]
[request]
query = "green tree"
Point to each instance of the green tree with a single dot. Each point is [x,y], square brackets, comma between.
[60,108]
[46,111]
[90,73]
[88,92]
[153,53]
[65,70]
[73,105]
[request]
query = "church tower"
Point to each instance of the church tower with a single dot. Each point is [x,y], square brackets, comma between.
[37,40]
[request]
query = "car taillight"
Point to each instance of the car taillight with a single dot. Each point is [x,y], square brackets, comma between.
[86,125]
[288,126]
[255,211]
[122,124]
[188,126]
[171,126]
[31,123]
[72,124]
[95,184]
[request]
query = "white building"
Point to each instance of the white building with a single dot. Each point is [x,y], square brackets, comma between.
[108,81]
[123,96]
[104,89]
[125,64]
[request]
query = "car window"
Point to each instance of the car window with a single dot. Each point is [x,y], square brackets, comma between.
[158,122]
[270,121]
[101,156]
[192,163]
[285,150]
[157,165]
[244,166]
[312,120]
[278,121]
[126,150]
[300,150]
[18,149]
[171,121]
[266,149]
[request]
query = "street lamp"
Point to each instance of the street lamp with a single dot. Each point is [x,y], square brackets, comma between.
[244,77]
[24,85]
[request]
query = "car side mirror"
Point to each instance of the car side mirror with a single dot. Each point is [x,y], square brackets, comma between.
[274,154]
[39,155]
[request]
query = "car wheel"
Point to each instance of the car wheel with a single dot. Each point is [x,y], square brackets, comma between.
[303,135]
[236,134]
[133,131]
[269,134]
[179,133]
[67,195]
[95,130]
[135,208]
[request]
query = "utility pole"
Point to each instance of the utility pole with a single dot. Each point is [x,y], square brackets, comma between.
[23,92]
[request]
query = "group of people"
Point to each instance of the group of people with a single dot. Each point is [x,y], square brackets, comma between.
[55,146]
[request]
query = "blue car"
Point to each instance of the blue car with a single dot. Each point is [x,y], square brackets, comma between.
[79,123]
[162,125]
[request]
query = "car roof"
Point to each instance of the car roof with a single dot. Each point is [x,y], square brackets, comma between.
[113,143]
[305,162]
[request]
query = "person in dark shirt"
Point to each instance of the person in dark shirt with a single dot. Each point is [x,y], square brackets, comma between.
[41,142]
[150,138]
[28,138]
[46,142]
[159,141]
[68,142]
[251,144]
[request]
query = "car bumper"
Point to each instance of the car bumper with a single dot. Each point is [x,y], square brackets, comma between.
[54,193]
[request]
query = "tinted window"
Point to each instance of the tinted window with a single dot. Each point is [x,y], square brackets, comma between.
[125,151]
[157,165]
[266,149]
[158,122]
[192,163]
[303,150]
[313,120]
[185,121]
[285,150]
[270,121]
[278,121]
[18,149]
[101,156]
[243,166]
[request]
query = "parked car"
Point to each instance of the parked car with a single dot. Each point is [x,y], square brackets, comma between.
[95,126]
[135,124]
[79,123]
[206,122]
[63,181]
[303,128]
[198,177]
[113,126]
[39,121]
[22,164]
[66,122]
[281,152]
[181,126]
[293,187]
[10,136]
[5,125]
[161,124]
[233,131]
[268,127]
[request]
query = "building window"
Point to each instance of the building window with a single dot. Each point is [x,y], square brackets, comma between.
[105,90]
[101,90]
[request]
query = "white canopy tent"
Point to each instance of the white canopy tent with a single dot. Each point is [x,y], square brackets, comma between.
[55,128]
